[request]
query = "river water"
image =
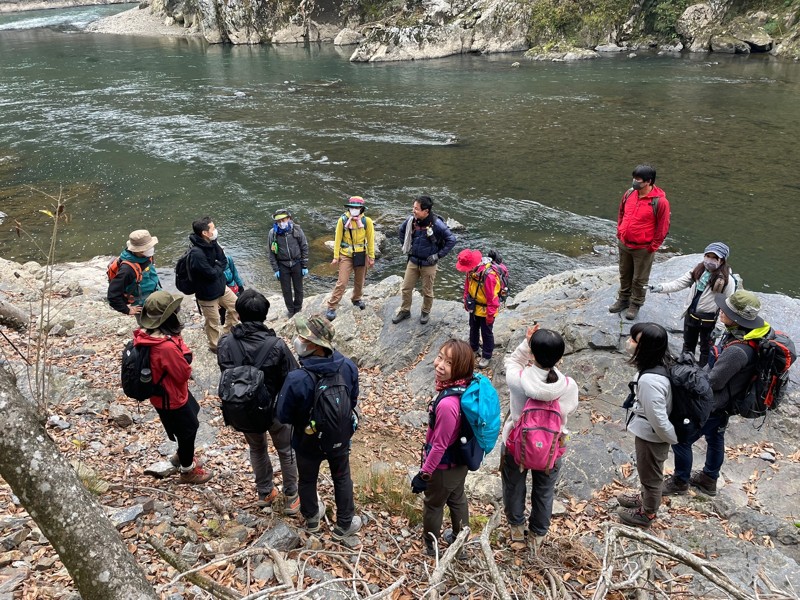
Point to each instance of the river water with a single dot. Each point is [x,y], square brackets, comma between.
[152,132]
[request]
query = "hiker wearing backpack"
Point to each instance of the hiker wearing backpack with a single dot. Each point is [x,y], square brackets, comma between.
[319,401]
[642,224]
[534,436]
[252,343]
[649,422]
[734,362]
[353,252]
[206,264]
[170,366]
[711,277]
[441,476]
[132,276]
[288,257]
[426,239]
[234,281]
[481,300]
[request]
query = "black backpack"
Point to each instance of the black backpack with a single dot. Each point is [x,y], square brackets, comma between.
[137,378]
[246,403]
[692,396]
[183,278]
[775,355]
[330,420]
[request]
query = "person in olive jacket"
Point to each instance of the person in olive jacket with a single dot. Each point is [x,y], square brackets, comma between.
[207,263]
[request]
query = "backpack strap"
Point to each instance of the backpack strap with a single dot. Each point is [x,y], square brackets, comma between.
[137,268]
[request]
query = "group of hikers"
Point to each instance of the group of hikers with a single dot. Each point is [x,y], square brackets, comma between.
[308,405]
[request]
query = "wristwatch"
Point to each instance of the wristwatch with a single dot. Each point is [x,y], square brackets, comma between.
[425,476]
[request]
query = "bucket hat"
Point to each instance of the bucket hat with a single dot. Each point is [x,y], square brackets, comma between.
[281,213]
[718,248]
[316,329]
[468,260]
[141,240]
[742,308]
[158,307]
[356,202]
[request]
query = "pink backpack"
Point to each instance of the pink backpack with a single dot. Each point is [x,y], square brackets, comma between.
[536,442]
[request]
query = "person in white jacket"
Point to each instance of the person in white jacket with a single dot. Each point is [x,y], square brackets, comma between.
[649,421]
[531,373]
[709,278]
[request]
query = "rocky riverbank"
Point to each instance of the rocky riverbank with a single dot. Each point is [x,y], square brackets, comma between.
[749,526]
[8,6]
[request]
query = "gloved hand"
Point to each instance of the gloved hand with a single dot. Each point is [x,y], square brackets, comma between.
[277,274]
[433,259]
[304,272]
[656,288]
[418,485]
[489,319]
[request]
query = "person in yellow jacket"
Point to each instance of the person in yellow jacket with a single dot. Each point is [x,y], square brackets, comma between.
[353,251]
[481,301]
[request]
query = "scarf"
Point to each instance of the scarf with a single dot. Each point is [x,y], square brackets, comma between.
[443,385]
[408,236]
[703,281]
[354,222]
[279,231]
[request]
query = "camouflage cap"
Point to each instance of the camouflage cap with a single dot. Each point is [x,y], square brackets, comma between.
[316,329]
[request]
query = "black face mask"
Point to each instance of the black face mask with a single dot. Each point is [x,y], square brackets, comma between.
[637,185]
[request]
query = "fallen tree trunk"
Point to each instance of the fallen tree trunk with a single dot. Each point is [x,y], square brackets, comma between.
[73,521]
[13,317]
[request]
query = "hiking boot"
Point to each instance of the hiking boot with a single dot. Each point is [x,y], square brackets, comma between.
[618,306]
[291,505]
[429,549]
[517,533]
[401,316]
[312,525]
[674,487]
[196,475]
[359,304]
[340,533]
[330,314]
[704,483]
[267,499]
[630,500]
[483,363]
[449,537]
[632,312]
[537,541]
[424,318]
[635,517]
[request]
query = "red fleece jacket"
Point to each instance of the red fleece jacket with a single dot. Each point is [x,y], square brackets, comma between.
[168,355]
[637,226]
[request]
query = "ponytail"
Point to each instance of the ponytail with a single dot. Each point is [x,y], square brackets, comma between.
[552,376]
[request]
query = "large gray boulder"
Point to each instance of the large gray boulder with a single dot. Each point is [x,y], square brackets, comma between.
[693,26]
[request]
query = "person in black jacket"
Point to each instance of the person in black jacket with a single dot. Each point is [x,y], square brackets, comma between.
[288,257]
[207,263]
[318,357]
[250,341]
[426,239]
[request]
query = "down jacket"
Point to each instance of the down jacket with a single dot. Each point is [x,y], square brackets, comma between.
[424,246]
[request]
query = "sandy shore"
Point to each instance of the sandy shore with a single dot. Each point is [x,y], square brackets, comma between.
[140,22]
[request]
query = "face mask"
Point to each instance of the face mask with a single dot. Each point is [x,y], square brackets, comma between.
[630,347]
[214,235]
[283,224]
[301,347]
[149,252]
[354,212]
[711,265]
[637,185]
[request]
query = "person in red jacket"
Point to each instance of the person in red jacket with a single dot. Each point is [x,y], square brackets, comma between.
[642,225]
[170,365]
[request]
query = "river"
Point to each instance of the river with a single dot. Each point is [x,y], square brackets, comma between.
[154,132]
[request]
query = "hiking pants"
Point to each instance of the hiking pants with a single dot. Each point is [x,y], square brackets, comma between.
[210,310]
[413,274]
[262,465]
[479,328]
[308,472]
[543,487]
[292,280]
[445,487]
[691,333]
[634,273]
[346,268]
[181,425]
[714,432]
[650,457]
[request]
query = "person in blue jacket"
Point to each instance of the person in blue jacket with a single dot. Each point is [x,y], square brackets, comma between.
[426,240]
[234,283]
[314,346]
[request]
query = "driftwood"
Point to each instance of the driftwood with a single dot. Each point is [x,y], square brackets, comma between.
[13,317]
[711,572]
[497,576]
[438,573]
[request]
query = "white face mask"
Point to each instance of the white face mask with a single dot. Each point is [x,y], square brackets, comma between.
[283,224]
[149,252]
[301,348]
[214,235]
[354,212]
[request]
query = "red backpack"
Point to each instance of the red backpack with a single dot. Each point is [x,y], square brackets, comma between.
[112,270]
[536,441]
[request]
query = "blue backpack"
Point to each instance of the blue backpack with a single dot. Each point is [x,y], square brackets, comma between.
[480,421]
